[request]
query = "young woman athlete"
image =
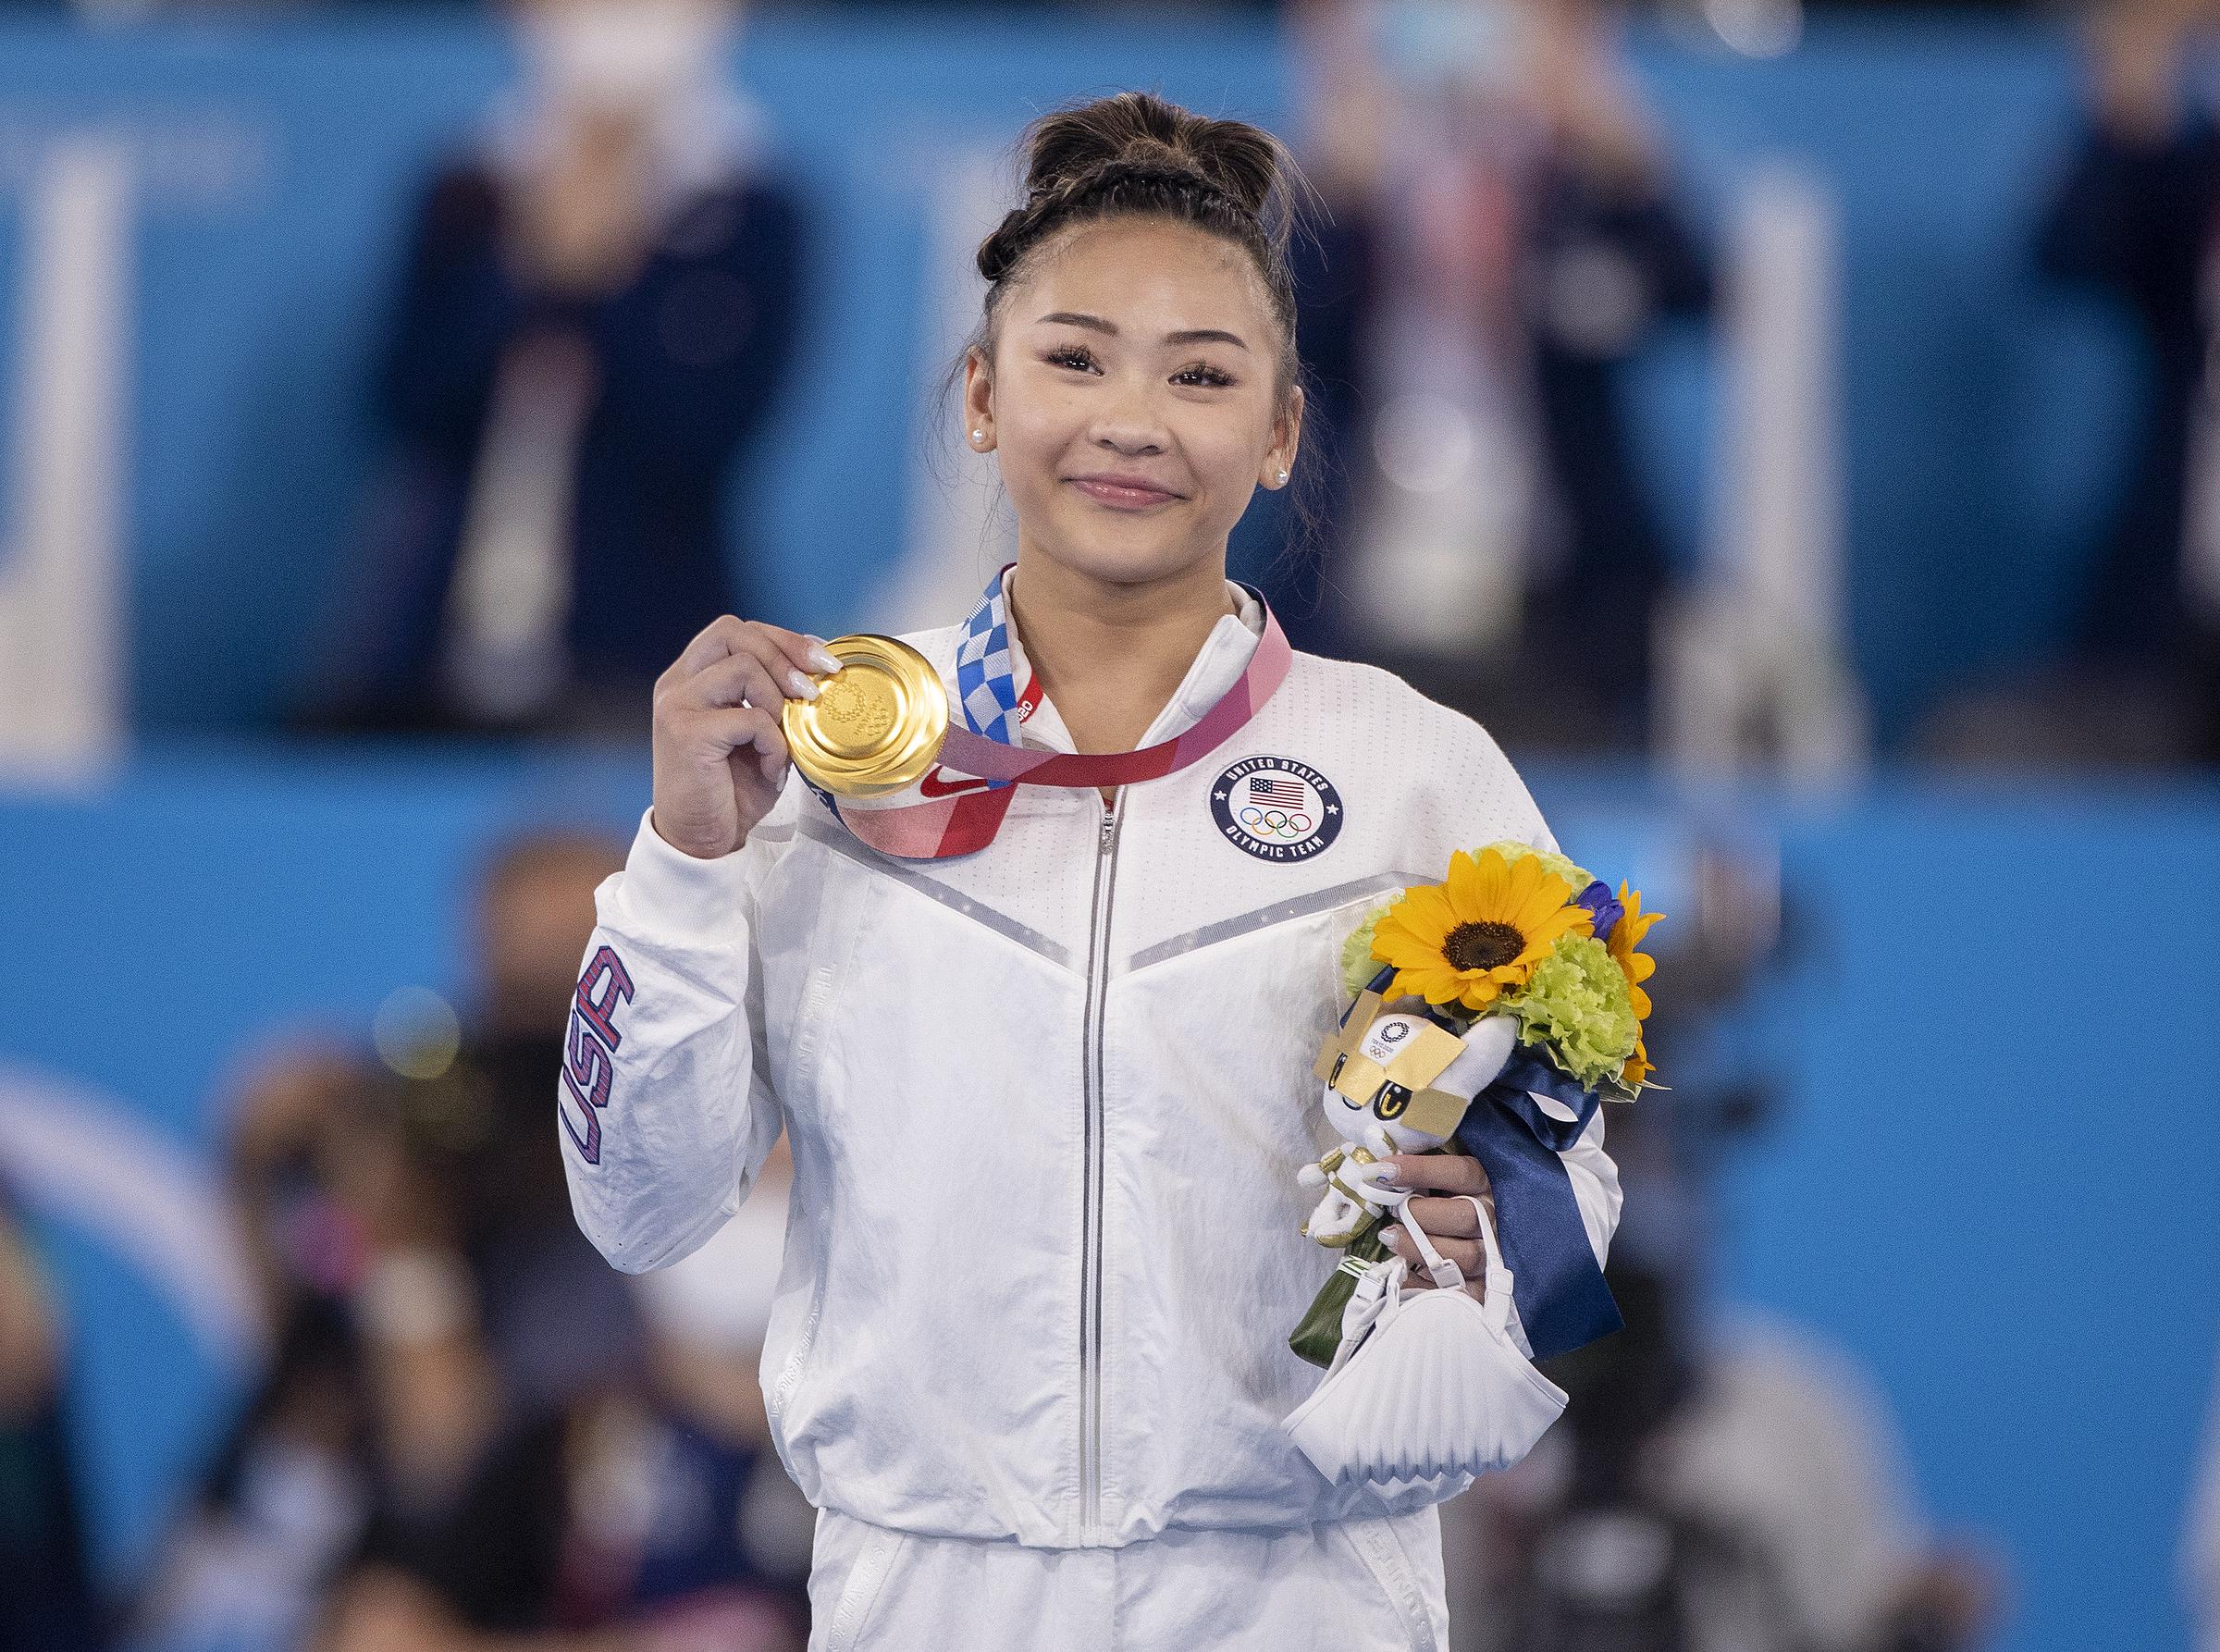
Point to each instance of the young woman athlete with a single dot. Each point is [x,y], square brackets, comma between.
[1044,1050]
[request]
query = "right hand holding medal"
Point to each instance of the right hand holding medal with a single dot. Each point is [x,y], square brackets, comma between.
[720,756]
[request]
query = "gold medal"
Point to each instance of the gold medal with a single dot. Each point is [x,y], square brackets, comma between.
[876,724]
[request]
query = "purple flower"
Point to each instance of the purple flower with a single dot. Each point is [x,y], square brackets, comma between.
[1602,906]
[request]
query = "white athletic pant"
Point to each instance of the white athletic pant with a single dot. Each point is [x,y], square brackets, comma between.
[1358,1586]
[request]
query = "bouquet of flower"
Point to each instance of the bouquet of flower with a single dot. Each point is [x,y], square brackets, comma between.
[1517,976]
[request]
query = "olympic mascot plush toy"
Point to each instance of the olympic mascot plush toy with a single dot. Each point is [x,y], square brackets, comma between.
[1399,1082]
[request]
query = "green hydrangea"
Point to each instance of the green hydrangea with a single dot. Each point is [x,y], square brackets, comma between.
[1575,1005]
[1577,877]
[1358,965]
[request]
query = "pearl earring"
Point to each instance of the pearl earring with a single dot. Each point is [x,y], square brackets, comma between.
[979,435]
[1283,475]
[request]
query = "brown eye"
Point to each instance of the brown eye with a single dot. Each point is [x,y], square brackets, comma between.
[1070,353]
[1212,378]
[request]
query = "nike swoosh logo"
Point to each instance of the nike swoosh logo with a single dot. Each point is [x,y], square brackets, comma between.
[933,785]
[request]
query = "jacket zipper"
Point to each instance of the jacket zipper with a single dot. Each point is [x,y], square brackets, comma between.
[1090,1224]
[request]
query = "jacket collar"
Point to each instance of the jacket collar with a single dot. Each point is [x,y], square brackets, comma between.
[1223,656]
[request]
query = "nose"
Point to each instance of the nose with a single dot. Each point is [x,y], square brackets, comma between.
[1130,427]
[1132,441]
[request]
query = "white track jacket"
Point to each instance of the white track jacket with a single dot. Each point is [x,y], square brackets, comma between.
[1046,1102]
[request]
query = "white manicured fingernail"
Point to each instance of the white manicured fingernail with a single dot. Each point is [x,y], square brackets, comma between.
[824,658]
[801,687]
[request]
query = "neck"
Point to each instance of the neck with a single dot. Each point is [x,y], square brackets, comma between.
[1111,655]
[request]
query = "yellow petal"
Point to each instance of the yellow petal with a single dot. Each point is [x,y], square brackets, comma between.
[1544,916]
[1418,910]
[1478,994]
[1404,946]
[1641,1056]
[1549,887]
[1537,909]
[1393,925]
[1518,876]
[1405,951]
[1429,908]
[1490,884]
[1404,980]
[1438,988]
[1535,952]
[1460,882]
[1636,923]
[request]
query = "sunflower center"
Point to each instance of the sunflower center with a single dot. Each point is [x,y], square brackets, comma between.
[1482,945]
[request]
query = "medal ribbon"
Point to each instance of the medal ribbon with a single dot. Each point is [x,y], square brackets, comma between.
[963,817]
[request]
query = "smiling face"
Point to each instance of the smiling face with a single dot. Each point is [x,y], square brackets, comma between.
[1135,351]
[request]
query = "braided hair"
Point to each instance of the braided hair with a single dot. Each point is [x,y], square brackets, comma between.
[1135,153]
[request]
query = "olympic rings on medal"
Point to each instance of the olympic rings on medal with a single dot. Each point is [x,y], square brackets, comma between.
[1274,822]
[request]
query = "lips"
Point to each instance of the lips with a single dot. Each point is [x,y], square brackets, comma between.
[1122,492]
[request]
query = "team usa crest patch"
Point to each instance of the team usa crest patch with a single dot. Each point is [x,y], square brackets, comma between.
[1276,809]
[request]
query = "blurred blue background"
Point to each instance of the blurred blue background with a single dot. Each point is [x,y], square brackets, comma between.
[1980,413]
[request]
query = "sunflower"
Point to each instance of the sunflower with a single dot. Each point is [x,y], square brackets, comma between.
[1483,931]
[1626,935]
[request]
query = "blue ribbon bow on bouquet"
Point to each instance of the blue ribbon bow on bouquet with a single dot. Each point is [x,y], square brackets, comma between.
[1562,1300]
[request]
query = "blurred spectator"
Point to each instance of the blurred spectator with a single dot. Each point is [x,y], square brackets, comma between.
[2135,213]
[649,1514]
[556,1315]
[377,1390]
[595,312]
[1506,237]
[421,1273]
[46,1600]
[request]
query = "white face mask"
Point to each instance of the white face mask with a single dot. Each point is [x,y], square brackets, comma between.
[1428,1389]
[719,1299]
[625,54]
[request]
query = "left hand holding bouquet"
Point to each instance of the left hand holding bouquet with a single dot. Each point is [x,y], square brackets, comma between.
[1452,1220]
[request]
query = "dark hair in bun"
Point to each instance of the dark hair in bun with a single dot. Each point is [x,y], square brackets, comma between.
[1136,154]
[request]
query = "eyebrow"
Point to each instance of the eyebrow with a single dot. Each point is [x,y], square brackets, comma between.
[1193,336]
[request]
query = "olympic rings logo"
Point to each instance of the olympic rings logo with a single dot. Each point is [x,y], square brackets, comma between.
[1275,808]
[1274,823]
